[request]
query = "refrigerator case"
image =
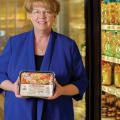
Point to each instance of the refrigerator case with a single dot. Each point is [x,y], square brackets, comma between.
[71,22]
[12,21]
[110,35]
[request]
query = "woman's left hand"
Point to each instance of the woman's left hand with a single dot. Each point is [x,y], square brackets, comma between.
[58,91]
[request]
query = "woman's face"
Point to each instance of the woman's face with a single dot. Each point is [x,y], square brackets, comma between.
[41,17]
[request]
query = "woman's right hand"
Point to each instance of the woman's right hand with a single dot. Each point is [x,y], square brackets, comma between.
[9,86]
[16,88]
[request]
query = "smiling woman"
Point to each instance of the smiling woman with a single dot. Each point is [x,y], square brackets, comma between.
[60,55]
[42,14]
[42,17]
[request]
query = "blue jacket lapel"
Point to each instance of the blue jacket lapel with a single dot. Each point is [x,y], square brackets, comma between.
[49,52]
[30,50]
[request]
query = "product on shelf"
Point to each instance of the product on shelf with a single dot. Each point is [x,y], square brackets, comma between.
[117,75]
[103,38]
[110,47]
[114,43]
[106,73]
[118,109]
[110,13]
[113,13]
[117,50]
[108,105]
[108,44]
[111,44]
[104,108]
[108,1]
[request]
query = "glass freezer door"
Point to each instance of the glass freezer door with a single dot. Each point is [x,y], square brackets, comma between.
[12,21]
[110,35]
[71,22]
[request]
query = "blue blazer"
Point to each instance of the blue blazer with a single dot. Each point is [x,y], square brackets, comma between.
[62,57]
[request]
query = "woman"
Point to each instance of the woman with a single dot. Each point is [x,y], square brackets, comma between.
[44,50]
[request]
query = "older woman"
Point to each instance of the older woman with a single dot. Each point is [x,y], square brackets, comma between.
[42,49]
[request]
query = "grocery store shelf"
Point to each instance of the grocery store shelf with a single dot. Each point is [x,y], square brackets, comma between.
[110,27]
[111,90]
[111,59]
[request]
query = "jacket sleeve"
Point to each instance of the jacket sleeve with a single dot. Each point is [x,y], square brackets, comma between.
[79,77]
[4,61]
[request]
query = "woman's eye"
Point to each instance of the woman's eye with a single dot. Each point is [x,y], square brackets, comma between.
[48,11]
[36,11]
[41,12]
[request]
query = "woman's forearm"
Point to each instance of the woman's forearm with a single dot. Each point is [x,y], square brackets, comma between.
[7,85]
[70,90]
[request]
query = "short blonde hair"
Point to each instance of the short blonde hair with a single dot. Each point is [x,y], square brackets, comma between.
[52,5]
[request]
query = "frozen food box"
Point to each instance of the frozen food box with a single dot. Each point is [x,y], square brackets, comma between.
[36,84]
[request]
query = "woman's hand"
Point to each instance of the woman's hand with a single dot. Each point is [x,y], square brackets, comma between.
[58,91]
[68,90]
[16,88]
[9,86]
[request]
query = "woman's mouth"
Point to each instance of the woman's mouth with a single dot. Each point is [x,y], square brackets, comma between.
[41,22]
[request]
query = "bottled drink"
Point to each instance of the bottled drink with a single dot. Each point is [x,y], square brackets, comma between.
[117,75]
[108,45]
[106,73]
[114,43]
[103,36]
[117,51]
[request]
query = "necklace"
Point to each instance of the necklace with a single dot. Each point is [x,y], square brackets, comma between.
[40,47]
[40,51]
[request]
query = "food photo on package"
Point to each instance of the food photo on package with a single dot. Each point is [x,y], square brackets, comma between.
[36,84]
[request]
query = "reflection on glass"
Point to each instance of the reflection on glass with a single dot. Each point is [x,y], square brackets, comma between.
[72,23]
[110,38]
[12,21]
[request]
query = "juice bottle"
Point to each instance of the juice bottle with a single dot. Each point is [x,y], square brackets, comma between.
[103,36]
[117,50]
[113,13]
[114,43]
[117,75]
[108,45]
[106,73]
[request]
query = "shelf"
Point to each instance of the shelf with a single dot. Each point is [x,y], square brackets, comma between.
[110,27]
[111,59]
[111,90]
